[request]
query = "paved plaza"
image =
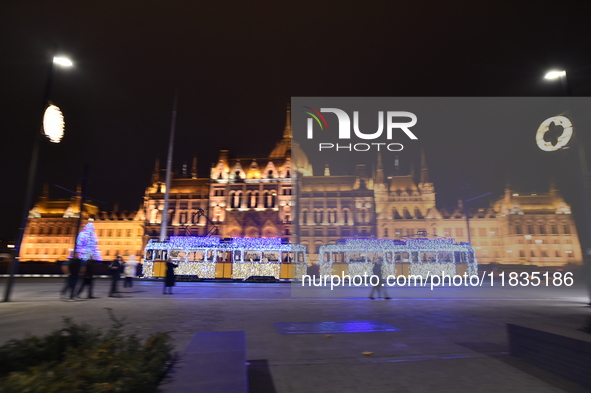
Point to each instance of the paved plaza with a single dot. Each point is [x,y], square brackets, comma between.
[450,339]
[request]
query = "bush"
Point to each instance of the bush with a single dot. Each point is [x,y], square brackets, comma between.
[80,358]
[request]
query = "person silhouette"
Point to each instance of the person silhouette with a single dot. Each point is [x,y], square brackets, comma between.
[378,288]
[170,278]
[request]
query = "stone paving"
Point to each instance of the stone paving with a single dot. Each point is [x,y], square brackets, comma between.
[452,339]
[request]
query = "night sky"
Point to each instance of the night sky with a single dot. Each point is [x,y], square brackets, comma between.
[237,64]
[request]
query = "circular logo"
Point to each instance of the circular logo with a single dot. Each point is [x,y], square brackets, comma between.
[554,133]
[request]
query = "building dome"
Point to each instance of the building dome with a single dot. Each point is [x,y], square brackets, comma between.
[300,160]
[282,149]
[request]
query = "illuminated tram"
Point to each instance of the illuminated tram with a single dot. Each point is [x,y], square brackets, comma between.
[411,256]
[235,258]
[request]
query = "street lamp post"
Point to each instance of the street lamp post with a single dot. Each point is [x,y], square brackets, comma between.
[52,126]
[584,179]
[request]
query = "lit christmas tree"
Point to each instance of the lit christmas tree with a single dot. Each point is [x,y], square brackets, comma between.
[87,244]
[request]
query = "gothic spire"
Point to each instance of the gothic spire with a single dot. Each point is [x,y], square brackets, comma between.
[287,134]
[379,170]
[424,169]
[156,173]
[194,168]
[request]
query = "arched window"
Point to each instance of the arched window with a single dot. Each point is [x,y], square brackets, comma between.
[254,199]
[304,217]
[346,216]
[270,199]
[363,216]
[318,217]
[332,217]
[235,199]
[273,200]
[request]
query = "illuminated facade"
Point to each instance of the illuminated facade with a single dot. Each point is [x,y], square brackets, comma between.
[246,197]
[51,226]
[242,197]
[187,194]
[518,229]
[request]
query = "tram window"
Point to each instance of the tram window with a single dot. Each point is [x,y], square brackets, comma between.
[252,256]
[445,256]
[376,257]
[270,256]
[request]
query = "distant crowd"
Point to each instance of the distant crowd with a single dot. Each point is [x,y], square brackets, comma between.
[75,268]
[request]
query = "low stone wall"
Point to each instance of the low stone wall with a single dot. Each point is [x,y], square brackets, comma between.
[565,356]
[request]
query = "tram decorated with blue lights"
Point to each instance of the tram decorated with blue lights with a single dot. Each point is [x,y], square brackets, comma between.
[410,256]
[233,258]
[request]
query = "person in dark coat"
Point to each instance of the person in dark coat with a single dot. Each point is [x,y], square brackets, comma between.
[170,278]
[87,278]
[72,269]
[379,287]
[115,269]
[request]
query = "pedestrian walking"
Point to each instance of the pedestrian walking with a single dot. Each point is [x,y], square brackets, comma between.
[170,278]
[72,269]
[379,288]
[115,269]
[129,271]
[87,278]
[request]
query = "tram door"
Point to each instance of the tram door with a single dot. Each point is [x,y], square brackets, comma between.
[223,265]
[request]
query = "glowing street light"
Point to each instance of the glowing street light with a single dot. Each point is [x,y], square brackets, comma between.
[63,61]
[53,124]
[53,128]
[555,74]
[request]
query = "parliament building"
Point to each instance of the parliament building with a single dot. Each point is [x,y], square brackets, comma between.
[278,195]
